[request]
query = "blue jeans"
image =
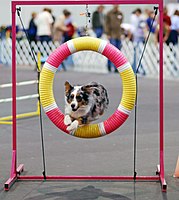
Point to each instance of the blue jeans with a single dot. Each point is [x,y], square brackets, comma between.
[137,55]
[98,31]
[118,44]
[46,38]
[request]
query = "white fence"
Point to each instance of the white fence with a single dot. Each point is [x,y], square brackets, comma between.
[93,62]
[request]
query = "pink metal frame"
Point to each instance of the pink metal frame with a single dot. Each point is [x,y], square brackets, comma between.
[15,172]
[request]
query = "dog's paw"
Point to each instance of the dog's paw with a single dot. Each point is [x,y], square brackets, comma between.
[73,126]
[67,120]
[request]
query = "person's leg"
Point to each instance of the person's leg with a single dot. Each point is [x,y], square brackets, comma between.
[118,44]
[99,32]
[140,47]
[48,38]
[44,38]
[41,38]
[63,66]
[113,42]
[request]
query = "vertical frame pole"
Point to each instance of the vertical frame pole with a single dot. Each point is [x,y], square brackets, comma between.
[14,170]
[161,97]
[14,128]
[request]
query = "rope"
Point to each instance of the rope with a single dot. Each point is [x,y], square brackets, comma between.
[135,114]
[38,76]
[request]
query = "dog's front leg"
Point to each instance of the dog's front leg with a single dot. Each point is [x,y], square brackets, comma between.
[73,126]
[67,120]
[76,123]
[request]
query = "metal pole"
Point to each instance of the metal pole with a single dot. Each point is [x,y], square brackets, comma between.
[161,98]
[14,128]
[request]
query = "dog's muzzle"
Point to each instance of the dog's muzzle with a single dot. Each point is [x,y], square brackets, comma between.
[73,107]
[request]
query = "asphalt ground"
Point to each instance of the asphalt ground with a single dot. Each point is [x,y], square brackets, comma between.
[109,155]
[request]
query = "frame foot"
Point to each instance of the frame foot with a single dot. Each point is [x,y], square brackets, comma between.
[9,183]
[20,169]
[162,180]
[14,178]
[164,186]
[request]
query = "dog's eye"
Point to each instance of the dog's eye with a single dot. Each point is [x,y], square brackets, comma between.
[78,98]
[71,96]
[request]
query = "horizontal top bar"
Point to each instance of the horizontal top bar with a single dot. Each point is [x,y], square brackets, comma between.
[78,2]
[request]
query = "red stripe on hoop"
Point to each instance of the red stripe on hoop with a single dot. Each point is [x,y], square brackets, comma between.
[114,55]
[56,58]
[57,117]
[115,121]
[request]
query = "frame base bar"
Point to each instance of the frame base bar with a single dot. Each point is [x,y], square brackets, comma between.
[91,178]
[15,178]
[20,169]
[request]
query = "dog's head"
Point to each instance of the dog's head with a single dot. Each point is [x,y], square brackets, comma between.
[77,96]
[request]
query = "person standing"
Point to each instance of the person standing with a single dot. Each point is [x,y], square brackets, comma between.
[166,27]
[98,19]
[70,27]
[139,25]
[32,30]
[63,28]
[53,17]
[44,23]
[149,22]
[63,31]
[173,37]
[113,30]
[174,33]
[166,17]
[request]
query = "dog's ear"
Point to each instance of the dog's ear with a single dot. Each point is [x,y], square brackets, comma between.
[87,88]
[68,87]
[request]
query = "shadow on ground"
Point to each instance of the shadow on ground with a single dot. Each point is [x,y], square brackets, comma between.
[85,193]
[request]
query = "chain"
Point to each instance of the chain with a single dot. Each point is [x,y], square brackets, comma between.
[88,19]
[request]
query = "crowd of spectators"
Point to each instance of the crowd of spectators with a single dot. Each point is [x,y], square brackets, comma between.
[44,26]
[138,27]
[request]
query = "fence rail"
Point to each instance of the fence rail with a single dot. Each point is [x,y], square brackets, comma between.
[89,61]
[8,119]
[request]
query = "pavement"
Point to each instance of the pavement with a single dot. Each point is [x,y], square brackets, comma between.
[109,155]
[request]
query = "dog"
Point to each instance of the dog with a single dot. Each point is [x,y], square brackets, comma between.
[84,104]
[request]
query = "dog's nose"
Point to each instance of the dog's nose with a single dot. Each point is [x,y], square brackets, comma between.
[73,106]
